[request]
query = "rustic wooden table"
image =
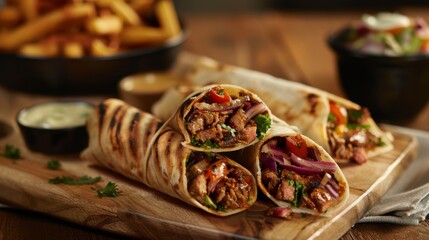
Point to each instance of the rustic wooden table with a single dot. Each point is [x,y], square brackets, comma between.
[290,45]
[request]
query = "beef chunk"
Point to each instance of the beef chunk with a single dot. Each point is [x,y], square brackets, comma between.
[271,179]
[238,120]
[285,191]
[247,135]
[321,198]
[207,134]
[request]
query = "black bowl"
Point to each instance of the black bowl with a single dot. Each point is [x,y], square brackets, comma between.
[85,75]
[67,140]
[394,88]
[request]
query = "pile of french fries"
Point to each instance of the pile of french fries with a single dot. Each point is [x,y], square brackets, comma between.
[77,28]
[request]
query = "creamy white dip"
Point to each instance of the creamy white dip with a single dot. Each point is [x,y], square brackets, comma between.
[56,115]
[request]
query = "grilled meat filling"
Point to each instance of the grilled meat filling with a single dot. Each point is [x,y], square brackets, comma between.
[216,184]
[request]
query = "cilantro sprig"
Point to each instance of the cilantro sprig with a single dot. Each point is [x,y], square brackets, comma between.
[11,152]
[53,164]
[110,190]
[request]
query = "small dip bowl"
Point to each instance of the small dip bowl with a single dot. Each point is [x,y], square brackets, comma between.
[144,89]
[55,127]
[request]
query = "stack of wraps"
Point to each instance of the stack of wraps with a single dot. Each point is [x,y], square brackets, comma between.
[134,144]
[182,157]
[343,128]
[308,182]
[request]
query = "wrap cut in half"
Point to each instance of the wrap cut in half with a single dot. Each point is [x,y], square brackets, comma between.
[343,128]
[221,118]
[296,173]
[131,142]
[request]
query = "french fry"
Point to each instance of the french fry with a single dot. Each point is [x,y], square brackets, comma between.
[100,49]
[10,16]
[123,10]
[167,17]
[44,25]
[142,6]
[29,9]
[73,49]
[74,28]
[104,25]
[39,49]
[142,35]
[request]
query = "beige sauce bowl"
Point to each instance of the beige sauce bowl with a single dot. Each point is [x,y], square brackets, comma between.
[144,89]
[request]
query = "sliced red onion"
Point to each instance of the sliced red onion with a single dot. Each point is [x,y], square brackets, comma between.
[333,192]
[326,178]
[324,166]
[271,147]
[313,153]
[303,170]
[334,184]
[212,185]
[267,162]
[255,110]
[281,160]
[373,48]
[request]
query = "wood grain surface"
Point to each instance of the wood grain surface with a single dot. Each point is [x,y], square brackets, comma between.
[286,44]
[143,212]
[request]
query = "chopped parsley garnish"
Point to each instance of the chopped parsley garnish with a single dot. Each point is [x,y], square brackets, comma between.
[110,190]
[299,191]
[70,181]
[263,123]
[11,152]
[54,164]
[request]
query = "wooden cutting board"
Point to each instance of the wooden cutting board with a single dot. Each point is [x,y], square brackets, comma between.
[141,212]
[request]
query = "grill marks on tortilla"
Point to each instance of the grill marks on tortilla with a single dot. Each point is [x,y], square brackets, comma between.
[152,128]
[115,127]
[101,114]
[134,133]
[312,100]
[169,146]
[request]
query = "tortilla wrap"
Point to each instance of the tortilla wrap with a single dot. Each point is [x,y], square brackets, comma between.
[257,163]
[221,133]
[134,144]
[297,104]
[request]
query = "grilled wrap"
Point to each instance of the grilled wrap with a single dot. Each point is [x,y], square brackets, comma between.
[343,128]
[134,144]
[221,118]
[295,172]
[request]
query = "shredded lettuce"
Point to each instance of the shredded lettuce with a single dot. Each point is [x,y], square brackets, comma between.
[209,203]
[263,123]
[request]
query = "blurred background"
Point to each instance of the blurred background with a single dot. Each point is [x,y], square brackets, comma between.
[257,5]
